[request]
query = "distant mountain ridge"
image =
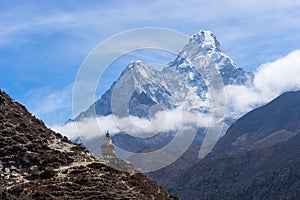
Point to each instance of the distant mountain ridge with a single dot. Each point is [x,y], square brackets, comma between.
[264,126]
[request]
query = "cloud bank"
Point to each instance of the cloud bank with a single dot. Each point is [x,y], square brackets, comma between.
[164,121]
[270,80]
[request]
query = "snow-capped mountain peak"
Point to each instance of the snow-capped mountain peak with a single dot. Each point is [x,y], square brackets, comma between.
[178,84]
[133,64]
[205,45]
[207,40]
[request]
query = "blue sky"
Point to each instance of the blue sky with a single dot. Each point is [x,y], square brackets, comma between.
[42,44]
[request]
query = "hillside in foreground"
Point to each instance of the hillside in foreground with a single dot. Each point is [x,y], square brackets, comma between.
[37,163]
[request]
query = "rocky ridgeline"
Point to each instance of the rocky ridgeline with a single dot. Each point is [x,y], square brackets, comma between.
[37,163]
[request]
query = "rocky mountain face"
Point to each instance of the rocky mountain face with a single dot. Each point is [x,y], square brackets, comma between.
[179,84]
[37,163]
[209,48]
[258,158]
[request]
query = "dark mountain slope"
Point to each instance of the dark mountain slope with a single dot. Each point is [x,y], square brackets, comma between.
[266,125]
[37,163]
[267,167]
[269,173]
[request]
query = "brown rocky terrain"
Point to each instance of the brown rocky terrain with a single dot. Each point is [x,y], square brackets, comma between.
[37,163]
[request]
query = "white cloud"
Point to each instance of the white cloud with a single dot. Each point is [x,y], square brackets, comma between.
[37,23]
[164,121]
[50,105]
[279,76]
[114,17]
[271,80]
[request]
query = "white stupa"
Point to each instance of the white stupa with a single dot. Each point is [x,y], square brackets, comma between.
[108,149]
